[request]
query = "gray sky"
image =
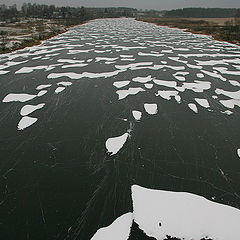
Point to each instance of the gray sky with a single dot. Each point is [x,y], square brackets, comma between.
[144,4]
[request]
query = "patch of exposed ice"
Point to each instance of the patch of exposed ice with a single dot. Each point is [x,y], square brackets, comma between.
[26,122]
[151,108]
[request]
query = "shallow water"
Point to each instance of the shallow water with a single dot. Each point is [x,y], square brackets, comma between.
[58,180]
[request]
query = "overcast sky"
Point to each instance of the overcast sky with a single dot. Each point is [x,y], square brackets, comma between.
[144,4]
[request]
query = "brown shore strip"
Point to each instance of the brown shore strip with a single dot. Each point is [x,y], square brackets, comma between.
[35,42]
[215,28]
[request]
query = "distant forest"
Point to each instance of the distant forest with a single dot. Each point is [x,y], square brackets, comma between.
[202,12]
[74,14]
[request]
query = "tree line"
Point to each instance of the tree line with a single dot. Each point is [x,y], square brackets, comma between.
[29,10]
[202,12]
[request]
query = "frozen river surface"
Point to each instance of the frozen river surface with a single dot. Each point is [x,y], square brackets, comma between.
[94,119]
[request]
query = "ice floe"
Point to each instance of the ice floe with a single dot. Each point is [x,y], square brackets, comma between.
[183,215]
[40,87]
[193,107]
[143,79]
[151,108]
[118,230]
[59,89]
[18,97]
[114,144]
[131,91]
[167,94]
[27,109]
[120,84]
[202,102]
[137,115]
[26,122]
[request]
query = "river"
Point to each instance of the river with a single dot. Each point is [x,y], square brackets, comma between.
[107,105]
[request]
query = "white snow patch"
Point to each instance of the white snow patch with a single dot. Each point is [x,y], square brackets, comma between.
[40,87]
[184,215]
[167,94]
[150,108]
[41,93]
[234,83]
[59,89]
[131,91]
[148,85]
[18,97]
[75,65]
[65,84]
[120,84]
[193,107]
[143,79]
[27,109]
[26,122]
[137,115]
[203,102]
[114,144]
[118,230]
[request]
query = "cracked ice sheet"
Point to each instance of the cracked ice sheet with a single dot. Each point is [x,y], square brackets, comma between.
[178,214]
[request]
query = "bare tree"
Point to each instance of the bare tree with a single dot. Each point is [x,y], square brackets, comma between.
[3,37]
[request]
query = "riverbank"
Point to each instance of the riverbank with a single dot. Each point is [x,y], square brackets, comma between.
[217,28]
[30,32]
